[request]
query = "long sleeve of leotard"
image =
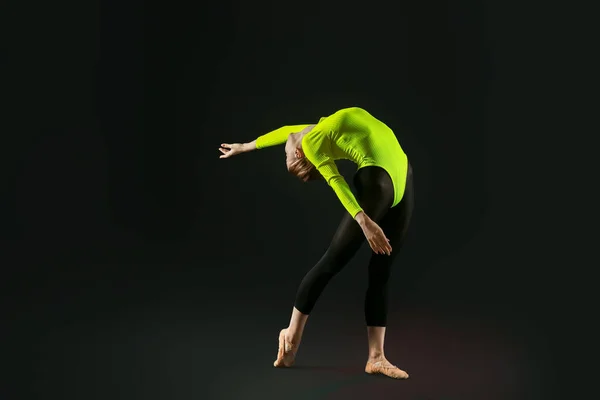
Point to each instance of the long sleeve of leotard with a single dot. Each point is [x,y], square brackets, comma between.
[341,188]
[328,169]
[278,136]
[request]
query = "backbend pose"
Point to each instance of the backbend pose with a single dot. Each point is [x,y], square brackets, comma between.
[384,199]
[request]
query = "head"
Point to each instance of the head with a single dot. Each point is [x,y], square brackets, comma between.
[296,162]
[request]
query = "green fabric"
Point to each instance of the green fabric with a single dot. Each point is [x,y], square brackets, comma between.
[351,134]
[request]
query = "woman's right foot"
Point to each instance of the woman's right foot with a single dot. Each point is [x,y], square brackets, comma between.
[384,367]
[286,353]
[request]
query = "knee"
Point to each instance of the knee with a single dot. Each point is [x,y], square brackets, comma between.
[332,262]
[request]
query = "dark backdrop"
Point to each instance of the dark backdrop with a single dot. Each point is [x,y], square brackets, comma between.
[140,265]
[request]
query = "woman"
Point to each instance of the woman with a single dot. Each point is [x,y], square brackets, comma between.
[384,199]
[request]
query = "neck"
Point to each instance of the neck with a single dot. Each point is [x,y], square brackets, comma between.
[303,133]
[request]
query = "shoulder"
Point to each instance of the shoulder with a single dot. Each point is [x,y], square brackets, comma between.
[315,145]
[315,137]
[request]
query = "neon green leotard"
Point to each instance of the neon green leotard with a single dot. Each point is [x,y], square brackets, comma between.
[351,134]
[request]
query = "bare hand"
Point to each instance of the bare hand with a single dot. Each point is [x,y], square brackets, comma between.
[376,238]
[229,150]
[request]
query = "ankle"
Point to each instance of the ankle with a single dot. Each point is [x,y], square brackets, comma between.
[376,356]
[291,336]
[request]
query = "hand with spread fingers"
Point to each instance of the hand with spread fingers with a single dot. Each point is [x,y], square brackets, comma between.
[232,149]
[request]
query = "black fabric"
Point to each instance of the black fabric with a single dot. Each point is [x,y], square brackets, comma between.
[375,194]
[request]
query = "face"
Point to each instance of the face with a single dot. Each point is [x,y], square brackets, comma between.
[293,149]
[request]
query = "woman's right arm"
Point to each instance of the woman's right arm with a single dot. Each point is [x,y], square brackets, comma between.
[273,138]
[278,136]
[246,147]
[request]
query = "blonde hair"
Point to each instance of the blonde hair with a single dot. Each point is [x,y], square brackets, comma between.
[305,170]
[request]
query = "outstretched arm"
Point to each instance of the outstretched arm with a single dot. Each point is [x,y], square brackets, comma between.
[273,138]
[278,136]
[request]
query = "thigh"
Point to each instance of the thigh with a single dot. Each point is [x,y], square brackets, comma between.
[396,221]
[346,241]
[374,193]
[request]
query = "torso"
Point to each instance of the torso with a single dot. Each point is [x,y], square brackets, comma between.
[354,134]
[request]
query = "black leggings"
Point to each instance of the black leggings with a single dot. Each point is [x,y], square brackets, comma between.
[375,194]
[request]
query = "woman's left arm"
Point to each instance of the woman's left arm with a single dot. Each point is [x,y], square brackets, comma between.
[336,181]
[315,148]
[373,232]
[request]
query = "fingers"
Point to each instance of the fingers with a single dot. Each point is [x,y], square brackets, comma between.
[381,246]
[387,246]
[225,154]
[226,150]
[375,247]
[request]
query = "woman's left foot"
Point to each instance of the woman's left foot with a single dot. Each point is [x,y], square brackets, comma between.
[384,367]
[286,353]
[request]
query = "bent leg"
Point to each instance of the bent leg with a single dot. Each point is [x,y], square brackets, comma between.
[344,245]
[375,195]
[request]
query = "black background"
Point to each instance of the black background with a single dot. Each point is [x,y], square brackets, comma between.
[140,265]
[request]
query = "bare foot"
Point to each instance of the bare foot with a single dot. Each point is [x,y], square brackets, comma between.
[384,367]
[286,353]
